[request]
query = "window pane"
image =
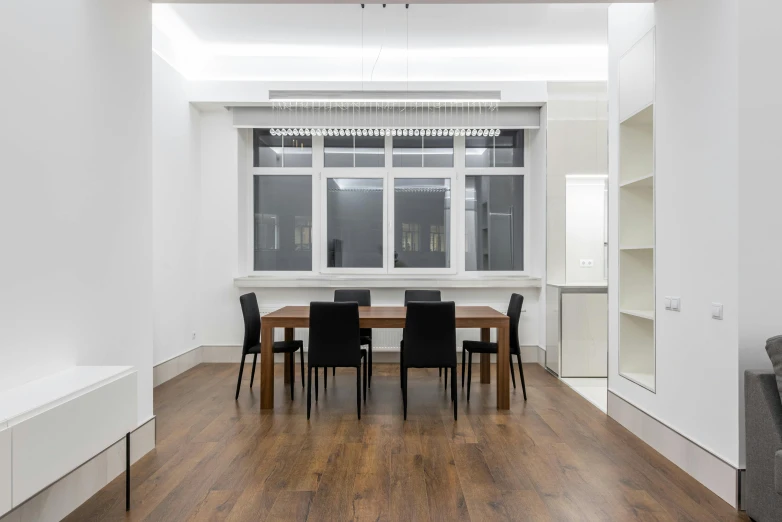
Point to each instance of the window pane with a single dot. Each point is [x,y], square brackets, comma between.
[338,151]
[438,151]
[494,227]
[354,222]
[422,216]
[505,150]
[297,151]
[283,223]
[370,151]
[267,149]
[478,151]
[509,149]
[408,151]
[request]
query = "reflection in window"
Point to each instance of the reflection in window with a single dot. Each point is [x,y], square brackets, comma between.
[494,223]
[303,233]
[283,223]
[411,237]
[354,223]
[426,204]
[505,150]
[278,151]
[437,238]
[422,151]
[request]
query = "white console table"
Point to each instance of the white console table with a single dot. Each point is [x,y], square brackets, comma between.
[51,426]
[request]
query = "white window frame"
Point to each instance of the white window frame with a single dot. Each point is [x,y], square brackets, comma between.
[319,176]
[497,171]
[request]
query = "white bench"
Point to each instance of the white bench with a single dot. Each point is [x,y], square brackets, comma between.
[51,426]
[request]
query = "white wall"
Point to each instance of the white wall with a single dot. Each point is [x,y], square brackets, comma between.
[585,211]
[76,194]
[759,221]
[176,197]
[696,183]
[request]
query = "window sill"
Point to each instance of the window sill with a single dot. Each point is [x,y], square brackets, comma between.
[385,281]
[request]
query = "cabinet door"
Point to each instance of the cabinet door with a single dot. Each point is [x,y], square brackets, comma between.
[584,335]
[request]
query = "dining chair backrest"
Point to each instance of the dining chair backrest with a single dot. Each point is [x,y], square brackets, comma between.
[514,314]
[362,297]
[252,320]
[334,334]
[430,334]
[422,295]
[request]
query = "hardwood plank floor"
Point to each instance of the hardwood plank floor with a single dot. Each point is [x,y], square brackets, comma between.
[555,457]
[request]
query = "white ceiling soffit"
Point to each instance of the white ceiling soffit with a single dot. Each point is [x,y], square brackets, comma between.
[384,96]
[345,43]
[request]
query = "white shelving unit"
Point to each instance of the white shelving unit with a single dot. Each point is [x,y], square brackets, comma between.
[636,215]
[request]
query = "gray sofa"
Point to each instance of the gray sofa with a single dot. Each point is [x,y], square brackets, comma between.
[763,484]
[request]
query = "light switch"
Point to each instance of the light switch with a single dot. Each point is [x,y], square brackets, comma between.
[667,303]
[676,304]
[716,311]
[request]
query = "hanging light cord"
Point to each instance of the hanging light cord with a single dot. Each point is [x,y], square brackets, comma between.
[382,43]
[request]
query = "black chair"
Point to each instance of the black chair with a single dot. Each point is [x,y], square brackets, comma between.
[363,298]
[252,341]
[423,296]
[430,342]
[335,341]
[514,313]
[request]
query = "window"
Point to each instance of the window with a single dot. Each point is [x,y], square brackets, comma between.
[423,151]
[422,204]
[354,222]
[411,237]
[494,223]
[277,151]
[353,151]
[282,224]
[505,150]
[384,205]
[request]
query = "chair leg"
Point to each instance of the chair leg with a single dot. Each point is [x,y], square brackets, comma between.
[301,358]
[453,391]
[404,391]
[316,384]
[358,390]
[369,384]
[446,378]
[521,375]
[366,375]
[334,371]
[469,375]
[326,378]
[464,355]
[441,371]
[401,365]
[309,390]
[512,375]
[252,374]
[293,375]
[239,382]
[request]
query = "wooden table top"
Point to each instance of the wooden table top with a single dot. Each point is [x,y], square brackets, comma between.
[387,317]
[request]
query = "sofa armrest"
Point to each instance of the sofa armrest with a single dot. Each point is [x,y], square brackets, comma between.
[763,424]
[778,471]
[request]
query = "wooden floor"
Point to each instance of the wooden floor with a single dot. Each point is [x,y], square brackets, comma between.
[555,457]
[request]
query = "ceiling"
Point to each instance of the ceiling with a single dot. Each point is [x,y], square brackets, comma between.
[343,42]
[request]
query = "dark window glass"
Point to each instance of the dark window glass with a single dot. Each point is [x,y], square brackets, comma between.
[505,150]
[278,151]
[354,222]
[423,151]
[422,219]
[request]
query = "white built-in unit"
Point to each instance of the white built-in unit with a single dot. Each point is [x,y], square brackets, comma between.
[636,214]
[51,426]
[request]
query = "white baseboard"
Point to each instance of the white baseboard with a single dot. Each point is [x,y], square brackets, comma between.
[61,498]
[705,467]
[169,369]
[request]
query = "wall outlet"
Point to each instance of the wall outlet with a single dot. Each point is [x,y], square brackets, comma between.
[587,263]
[716,311]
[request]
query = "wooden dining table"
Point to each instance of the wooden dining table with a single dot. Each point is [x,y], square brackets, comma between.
[483,317]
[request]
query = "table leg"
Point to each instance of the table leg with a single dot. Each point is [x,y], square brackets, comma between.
[267,367]
[288,357]
[503,368]
[485,358]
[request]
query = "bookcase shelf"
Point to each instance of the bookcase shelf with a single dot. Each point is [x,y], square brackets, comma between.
[637,359]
